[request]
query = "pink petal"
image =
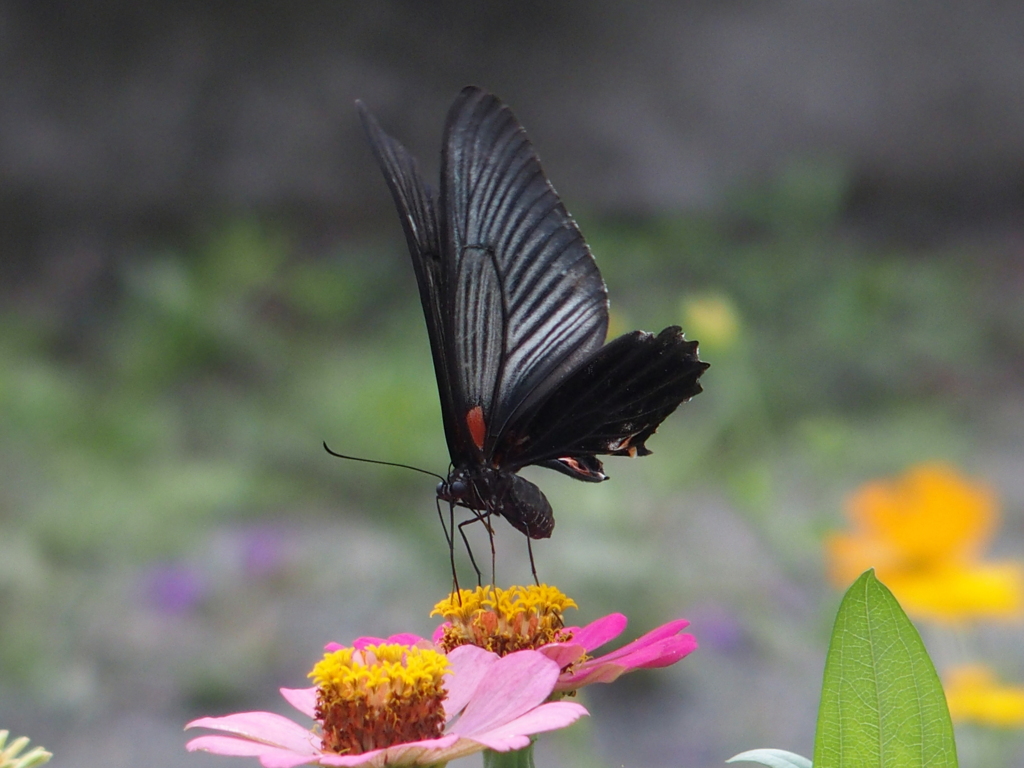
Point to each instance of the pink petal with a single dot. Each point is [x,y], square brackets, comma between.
[664,631]
[602,673]
[661,654]
[563,654]
[264,728]
[585,639]
[426,752]
[303,699]
[462,748]
[470,664]
[270,757]
[404,638]
[514,685]
[501,741]
[407,638]
[599,632]
[362,642]
[546,717]
[439,632]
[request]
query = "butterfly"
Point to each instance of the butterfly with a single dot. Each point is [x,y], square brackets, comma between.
[517,314]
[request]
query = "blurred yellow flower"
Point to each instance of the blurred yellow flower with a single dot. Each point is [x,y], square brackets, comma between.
[712,320]
[974,695]
[925,533]
[958,593]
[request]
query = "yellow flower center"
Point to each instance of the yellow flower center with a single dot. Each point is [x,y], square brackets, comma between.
[504,620]
[379,696]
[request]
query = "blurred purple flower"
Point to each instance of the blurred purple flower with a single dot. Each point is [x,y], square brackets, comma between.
[263,552]
[720,628]
[173,587]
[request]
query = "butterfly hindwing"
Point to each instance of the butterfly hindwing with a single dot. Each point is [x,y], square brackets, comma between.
[528,303]
[609,405]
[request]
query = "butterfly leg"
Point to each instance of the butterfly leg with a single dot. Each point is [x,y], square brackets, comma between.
[533,566]
[477,517]
[490,536]
[449,537]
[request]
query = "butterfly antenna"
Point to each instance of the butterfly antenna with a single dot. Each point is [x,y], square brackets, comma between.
[384,463]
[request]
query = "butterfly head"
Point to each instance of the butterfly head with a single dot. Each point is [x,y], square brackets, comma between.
[454,490]
[461,488]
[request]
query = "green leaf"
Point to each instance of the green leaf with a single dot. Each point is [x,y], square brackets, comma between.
[773,758]
[881,701]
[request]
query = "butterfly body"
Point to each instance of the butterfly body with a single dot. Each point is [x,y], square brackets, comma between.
[517,314]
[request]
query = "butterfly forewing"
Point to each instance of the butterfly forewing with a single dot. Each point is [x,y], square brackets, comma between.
[479,329]
[415,202]
[515,256]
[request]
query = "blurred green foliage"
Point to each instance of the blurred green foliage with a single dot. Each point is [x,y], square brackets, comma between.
[201,392]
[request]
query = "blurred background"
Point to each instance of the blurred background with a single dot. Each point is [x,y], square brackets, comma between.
[202,277]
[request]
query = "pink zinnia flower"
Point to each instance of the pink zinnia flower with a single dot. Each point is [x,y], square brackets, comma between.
[504,621]
[377,695]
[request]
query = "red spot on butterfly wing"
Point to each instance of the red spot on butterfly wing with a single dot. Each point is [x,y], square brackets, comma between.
[477,428]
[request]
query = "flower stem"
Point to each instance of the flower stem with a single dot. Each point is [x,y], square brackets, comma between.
[518,758]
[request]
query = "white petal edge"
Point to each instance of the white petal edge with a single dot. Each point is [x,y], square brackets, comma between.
[773,758]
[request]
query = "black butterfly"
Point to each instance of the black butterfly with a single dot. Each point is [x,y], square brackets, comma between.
[517,314]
